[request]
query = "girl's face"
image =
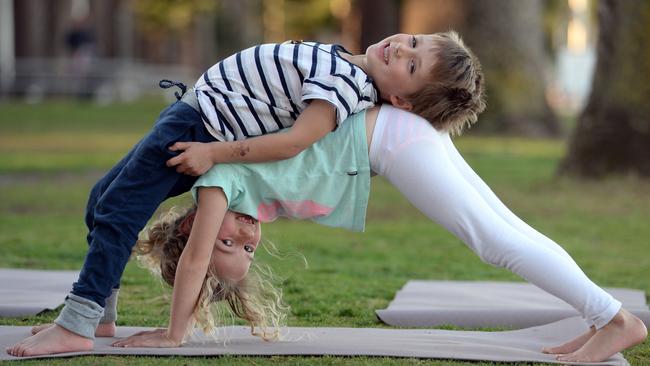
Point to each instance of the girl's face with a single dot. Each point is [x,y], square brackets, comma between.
[235,246]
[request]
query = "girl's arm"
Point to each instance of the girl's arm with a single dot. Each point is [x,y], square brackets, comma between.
[195,259]
[314,122]
[192,268]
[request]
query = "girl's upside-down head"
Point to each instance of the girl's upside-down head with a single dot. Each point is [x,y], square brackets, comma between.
[247,289]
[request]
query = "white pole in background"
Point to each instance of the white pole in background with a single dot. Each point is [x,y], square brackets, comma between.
[7,50]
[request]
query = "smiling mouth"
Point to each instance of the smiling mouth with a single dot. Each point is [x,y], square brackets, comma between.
[246,219]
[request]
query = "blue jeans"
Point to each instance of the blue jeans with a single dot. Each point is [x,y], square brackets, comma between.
[122,202]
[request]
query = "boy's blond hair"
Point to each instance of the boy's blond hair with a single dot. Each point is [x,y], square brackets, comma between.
[455,94]
[254,299]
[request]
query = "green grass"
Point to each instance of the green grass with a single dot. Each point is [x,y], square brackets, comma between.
[51,154]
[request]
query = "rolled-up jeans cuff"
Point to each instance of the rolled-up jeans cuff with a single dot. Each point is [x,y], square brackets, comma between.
[80,316]
[110,310]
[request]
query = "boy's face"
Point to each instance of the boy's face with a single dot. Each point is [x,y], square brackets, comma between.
[235,246]
[400,66]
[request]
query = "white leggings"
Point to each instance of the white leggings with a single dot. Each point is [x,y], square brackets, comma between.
[425,166]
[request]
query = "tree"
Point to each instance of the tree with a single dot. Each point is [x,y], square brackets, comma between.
[507,36]
[613,131]
[379,19]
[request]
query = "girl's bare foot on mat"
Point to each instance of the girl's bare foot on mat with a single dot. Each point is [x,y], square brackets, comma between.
[54,339]
[572,345]
[624,331]
[103,330]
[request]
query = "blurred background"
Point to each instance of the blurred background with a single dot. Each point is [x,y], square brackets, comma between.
[539,56]
[109,50]
[564,142]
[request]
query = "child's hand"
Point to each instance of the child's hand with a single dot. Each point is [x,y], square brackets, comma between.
[158,338]
[194,160]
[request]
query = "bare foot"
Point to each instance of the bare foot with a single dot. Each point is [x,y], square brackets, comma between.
[572,345]
[624,331]
[103,330]
[54,339]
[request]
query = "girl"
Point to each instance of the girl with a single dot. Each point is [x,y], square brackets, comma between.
[425,166]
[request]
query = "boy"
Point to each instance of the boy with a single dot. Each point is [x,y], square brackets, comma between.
[309,87]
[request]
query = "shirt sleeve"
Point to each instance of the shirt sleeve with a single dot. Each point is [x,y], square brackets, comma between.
[340,90]
[222,176]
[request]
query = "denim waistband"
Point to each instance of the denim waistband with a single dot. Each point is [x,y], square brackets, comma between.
[190,99]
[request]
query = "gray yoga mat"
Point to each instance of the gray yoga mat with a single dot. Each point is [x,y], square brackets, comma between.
[26,292]
[518,345]
[476,304]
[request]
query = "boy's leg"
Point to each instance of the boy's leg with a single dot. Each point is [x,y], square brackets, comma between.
[106,327]
[110,309]
[120,213]
[130,199]
[100,187]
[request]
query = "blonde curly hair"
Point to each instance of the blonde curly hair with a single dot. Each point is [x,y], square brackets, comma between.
[254,299]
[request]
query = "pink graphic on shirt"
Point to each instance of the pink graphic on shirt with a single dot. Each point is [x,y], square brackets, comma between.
[267,212]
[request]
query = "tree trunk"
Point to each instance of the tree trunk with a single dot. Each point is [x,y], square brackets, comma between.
[379,19]
[507,36]
[613,132]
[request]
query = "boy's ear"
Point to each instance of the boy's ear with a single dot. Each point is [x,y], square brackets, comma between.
[400,103]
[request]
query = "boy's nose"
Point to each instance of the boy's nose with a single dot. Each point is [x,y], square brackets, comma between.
[403,50]
[400,50]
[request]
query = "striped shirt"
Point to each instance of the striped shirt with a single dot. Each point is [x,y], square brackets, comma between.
[264,88]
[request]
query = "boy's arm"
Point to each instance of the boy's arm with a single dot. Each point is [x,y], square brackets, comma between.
[312,124]
[192,268]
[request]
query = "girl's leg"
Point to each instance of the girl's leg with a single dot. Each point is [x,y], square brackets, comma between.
[502,210]
[493,201]
[497,206]
[409,153]
[412,156]
[624,330]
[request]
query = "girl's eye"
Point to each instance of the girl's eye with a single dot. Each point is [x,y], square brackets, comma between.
[412,66]
[249,248]
[414,42]
[227,243]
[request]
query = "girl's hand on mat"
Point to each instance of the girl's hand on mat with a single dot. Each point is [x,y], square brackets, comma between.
[194,159]
[158,338]
[145,332]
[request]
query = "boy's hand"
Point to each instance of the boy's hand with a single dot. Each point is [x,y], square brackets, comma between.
[194,159]
[158,338]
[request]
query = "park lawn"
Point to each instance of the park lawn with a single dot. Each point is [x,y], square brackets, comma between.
[52,153]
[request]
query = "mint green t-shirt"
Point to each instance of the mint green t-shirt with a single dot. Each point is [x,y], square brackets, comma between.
[328,183]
